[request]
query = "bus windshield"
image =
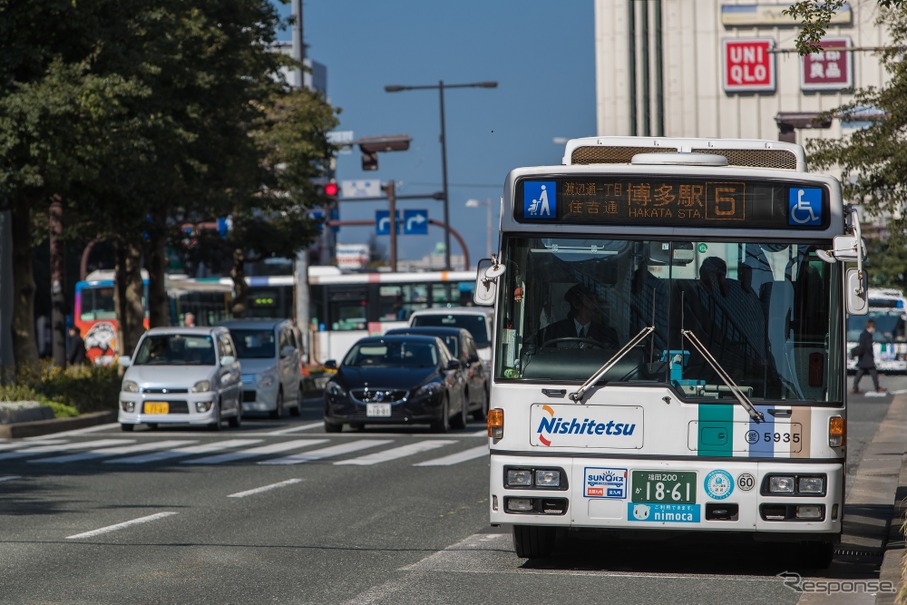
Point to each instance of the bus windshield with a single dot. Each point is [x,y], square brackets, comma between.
[764,310]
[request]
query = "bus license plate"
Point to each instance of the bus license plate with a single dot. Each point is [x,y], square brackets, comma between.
[664,487]
[380,410]
[157,407]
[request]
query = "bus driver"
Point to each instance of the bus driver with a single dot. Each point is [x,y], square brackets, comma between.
[580,322]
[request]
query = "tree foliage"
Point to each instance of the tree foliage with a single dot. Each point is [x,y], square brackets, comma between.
[815,15]
[143,117]
[873,160]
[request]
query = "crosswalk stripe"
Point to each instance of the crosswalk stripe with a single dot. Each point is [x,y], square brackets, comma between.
[296,429]
[183,451]
[11,445]
[397,452]
[255,451]
[112,451]
[66,447]
[327,452]
[471,453]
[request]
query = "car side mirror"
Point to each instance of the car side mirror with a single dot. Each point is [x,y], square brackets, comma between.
[287,351]
[453,364]
[331,364]
[227,360]
[473,358]
[125,361]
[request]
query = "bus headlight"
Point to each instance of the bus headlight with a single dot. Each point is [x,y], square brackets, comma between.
[548,478]
[519,477]
[811,485]
[779,484]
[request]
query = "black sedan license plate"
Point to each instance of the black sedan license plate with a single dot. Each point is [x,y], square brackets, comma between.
[664,487]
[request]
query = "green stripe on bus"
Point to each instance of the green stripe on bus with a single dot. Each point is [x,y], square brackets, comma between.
[716,429]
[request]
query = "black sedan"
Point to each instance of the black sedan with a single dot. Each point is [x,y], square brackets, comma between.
[396,380]
[462,346]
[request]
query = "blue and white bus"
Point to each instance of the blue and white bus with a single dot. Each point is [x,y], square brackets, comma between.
[720,271]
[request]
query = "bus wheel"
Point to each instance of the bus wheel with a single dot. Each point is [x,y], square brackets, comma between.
[533,541]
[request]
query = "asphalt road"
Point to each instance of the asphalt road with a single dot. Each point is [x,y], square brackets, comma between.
[280,512]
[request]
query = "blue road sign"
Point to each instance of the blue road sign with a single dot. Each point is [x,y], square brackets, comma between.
[415,222]
[383,222]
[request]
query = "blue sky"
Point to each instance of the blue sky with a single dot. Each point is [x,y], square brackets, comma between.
[540,52]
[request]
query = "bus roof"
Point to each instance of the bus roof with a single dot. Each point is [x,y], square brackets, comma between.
[753,153]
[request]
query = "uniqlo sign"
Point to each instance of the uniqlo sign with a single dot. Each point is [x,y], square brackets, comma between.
[749,65]
[831,69]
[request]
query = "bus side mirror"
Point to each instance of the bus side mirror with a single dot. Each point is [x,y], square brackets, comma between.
[487,281]
[856,292]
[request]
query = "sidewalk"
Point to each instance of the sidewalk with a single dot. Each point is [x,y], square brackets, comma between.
[874,509]
[36,428]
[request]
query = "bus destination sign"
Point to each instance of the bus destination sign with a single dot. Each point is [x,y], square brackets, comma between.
[672,202]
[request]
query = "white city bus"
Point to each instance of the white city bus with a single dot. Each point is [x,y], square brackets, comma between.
[888,309]
[719,267]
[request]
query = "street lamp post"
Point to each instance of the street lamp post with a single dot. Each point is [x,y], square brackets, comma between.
[487,204]
[440,86]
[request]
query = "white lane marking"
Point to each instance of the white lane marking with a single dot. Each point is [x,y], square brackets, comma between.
[255,451]
[52,449]
[296,429]
[183,451]
[327,452]
[475,452]
[11,445]
[112,451]
[264,488]
[10,477]
[90,429]
[397,452]
[110,528]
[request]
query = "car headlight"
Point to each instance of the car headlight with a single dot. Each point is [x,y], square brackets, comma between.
[429,390]
[130,386]
[202,386]
[266,380]
[334,390]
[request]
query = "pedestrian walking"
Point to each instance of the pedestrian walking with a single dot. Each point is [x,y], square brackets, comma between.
[866,361]
[76,354]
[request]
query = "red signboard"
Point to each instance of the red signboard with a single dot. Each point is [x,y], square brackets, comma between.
[831,69]
[749,65]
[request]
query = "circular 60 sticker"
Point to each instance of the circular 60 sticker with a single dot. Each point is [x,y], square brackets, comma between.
[746,482]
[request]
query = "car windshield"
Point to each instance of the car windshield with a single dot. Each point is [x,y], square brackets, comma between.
[763,310]
[392,354]
[176,350]
[254,343]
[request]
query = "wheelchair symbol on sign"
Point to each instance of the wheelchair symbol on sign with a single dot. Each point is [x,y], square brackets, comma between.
[802,212]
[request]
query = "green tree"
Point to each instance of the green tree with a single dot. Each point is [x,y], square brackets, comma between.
[873,160]
[815,15]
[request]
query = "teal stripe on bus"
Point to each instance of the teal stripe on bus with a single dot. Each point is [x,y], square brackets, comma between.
[716,429]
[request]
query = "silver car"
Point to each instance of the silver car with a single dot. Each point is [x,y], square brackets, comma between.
[271,356]
[181,375]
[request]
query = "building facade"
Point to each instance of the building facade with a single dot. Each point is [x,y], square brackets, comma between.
[729,69]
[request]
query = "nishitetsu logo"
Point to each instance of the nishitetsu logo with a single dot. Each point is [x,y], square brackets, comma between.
[556,425]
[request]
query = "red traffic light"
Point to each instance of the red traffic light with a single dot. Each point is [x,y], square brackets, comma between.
[331,189]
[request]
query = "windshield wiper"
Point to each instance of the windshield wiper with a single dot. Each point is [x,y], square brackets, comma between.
[735,390]
[578,395]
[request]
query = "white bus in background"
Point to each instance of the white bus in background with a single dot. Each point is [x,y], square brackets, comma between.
[888,308]
[719,266]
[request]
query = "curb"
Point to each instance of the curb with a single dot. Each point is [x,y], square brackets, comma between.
[55,425]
